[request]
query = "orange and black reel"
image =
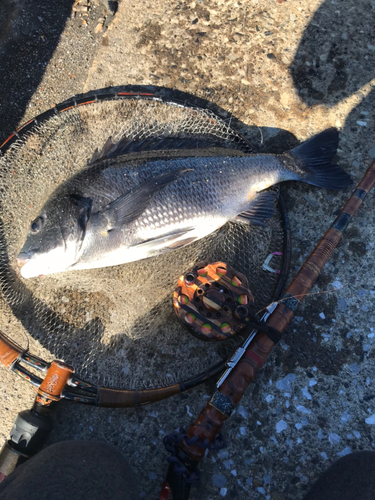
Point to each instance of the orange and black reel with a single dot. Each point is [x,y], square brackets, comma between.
[213,301]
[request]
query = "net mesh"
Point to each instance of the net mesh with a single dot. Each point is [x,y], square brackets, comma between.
[116,325]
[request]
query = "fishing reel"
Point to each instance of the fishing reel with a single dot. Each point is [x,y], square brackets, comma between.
[213,301]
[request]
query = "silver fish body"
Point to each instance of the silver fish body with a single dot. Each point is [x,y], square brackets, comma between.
[134,206]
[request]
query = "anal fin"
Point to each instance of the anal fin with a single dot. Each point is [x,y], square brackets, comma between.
[261,208]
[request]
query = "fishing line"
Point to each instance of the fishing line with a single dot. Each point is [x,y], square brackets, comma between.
[308,294]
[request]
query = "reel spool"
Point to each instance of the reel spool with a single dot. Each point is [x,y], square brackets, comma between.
[213,301]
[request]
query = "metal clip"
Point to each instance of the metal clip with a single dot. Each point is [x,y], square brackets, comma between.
[266,267]
[240,351]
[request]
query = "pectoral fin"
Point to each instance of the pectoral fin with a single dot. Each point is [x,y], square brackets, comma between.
[133,203]
[261,208]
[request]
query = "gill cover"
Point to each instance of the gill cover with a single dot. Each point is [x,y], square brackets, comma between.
[55,237]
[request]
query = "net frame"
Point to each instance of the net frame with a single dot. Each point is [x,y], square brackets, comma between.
[87,392]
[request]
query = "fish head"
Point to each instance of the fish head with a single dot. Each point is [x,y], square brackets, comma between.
[55,237]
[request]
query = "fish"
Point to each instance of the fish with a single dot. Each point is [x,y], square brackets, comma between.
[138,199]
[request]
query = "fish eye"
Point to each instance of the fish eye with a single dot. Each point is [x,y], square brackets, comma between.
[37,225]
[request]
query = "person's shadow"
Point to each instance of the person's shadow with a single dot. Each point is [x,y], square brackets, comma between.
[334,61]
[29,34]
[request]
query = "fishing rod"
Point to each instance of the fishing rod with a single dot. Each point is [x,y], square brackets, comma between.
[188,448]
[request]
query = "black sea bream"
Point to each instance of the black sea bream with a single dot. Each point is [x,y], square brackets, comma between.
[127,207]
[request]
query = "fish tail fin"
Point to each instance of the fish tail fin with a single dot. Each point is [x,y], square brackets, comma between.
[316,155]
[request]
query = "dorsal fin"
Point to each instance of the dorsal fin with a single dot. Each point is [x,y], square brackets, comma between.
[126,145]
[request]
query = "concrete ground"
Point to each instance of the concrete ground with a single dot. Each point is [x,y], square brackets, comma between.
[277,66]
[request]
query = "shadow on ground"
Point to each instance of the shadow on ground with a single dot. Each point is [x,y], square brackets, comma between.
[29,33]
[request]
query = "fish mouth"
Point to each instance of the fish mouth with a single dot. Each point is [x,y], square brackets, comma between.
[35,263]
[25,263]
[29,271]
[22,258]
